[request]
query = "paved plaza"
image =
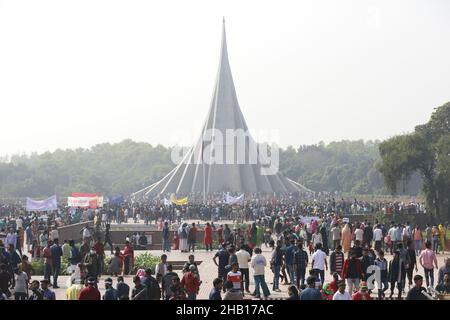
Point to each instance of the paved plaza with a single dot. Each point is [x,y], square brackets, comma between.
[208,271]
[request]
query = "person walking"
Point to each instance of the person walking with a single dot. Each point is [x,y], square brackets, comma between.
[108,238]
[223,257]
[352,272]
[436,238]
[48,261]
[319,263]
[207,237]
[417,237]
[382,265]
[276,262]
[167,282]
[56,254]
[378,237]
[243,258]
[346,238]
[427,259]
[21,285]
[300,263]
[412,262]
[289,260]
[396,269]
[258,264]
[192,237]
[337,261]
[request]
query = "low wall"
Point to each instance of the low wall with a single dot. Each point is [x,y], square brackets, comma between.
[154,238]
[72,232]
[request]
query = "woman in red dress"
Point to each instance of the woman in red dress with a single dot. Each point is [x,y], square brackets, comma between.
[220,234]
[207,238]
[176,241]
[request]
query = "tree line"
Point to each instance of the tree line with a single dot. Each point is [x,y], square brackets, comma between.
[125,167]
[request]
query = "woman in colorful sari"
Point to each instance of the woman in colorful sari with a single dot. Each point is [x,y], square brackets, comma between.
[259,235]
[346,238]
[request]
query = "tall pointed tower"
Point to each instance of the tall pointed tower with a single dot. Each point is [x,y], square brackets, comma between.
[200,172]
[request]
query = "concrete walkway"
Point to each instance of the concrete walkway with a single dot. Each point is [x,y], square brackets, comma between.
[208,271]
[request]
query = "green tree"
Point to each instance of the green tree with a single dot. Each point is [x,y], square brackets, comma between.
[425,151]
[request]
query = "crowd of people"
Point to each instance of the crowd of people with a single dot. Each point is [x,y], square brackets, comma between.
[306,240]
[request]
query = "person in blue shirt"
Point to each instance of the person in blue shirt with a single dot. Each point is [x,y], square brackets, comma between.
[57,253]
[289,259]
[311,293]
[215,292]
[47,294]
[123,290]
[110,293]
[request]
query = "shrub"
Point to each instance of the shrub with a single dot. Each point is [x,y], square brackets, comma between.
[38,267]
[145,261]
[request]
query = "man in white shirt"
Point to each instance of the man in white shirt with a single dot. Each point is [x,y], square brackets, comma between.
[243,258]
[161,268]
[54,234]
[19,223]
[317,238]
[341,294]
[86,234]
[359,234]
[258,263]
[377,237]
[319,263]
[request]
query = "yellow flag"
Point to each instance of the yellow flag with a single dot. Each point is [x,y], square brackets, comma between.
[178,202]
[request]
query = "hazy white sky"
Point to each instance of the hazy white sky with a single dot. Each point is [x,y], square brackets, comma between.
[78,73]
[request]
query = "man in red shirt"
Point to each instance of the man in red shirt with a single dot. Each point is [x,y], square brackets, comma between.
[90,292]
[235,277]
[363,293]
[352,272]
[100,251]
[192,237]
[48,264]
[191,283]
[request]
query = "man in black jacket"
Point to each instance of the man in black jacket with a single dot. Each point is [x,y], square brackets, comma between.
[152,286]
[366,262]
[367,235]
